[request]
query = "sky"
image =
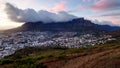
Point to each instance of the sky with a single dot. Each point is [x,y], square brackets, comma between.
[98,11]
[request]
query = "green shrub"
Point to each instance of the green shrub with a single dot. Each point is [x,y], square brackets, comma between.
[39,57]
[25,61]
[6,61]
[42,65]
[48,55]
[61,56]
[114,57]
[34,65]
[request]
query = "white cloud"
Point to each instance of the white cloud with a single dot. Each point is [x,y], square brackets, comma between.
[30,15]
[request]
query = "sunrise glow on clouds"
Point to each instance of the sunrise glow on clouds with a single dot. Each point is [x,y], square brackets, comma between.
[101,10]
[103,5]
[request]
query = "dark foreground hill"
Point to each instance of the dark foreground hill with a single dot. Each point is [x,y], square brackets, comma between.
[100,56]
[76,25]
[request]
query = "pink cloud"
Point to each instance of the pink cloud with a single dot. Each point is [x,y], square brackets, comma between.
[86,0]
[78,8]
[82,7]
[60,6]
[115,21]
[102,5]
[113,14]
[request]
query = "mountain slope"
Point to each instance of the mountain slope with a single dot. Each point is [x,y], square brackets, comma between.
[79,25]
[101,56]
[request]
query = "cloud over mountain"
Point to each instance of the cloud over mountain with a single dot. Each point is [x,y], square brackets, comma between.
[102,5]
[30,15]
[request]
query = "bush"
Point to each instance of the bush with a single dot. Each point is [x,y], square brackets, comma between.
[114,56]
[61,56]
[27,66]
[39,57]
[6,61]
[42,65]
[25,61]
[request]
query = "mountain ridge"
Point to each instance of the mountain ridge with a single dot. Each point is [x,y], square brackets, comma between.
[75,25]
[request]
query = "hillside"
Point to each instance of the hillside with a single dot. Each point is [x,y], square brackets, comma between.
[115,34]
[75,25]
[100,56]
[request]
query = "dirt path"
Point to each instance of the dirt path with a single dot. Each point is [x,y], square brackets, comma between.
[98,60]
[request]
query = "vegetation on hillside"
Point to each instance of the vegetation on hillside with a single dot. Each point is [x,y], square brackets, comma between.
[100,56]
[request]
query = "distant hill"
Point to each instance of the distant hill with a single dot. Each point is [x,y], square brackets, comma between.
[79,25]
[115,34]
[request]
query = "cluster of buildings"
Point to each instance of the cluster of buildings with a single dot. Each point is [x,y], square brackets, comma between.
[12,42]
